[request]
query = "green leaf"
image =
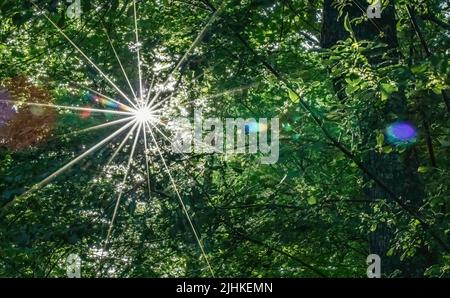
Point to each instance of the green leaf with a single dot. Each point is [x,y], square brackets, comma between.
[351,88]
[444,142]
[334,115]
[389,88]
[373,227]
[312,200]
[347,25]
[422,169]
[296,137]
[384,96]
[293,96]
[287,127]
[418,69]
[380,139]
[390,252]
[437,89]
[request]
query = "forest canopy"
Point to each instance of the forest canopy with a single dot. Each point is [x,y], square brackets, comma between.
[354,108]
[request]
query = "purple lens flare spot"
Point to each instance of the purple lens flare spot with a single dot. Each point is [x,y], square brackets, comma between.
[401,133]
[7,109]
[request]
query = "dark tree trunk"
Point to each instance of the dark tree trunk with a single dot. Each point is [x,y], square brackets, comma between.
[398,172]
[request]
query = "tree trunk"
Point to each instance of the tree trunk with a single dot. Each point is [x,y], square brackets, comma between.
[399,173]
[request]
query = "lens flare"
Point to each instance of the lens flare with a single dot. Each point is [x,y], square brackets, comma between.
[23,124]
[254,127]
[401,133]
[6,108]
[105,102]
[144,114]
[85,113]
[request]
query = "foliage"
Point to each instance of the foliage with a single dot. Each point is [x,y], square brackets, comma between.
[305,216]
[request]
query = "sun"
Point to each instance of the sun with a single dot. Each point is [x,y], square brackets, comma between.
[140,116]
[144,114]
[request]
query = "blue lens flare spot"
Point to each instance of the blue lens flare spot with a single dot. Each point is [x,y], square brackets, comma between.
[108,104]
[251,127]
[401,133]
[254,127]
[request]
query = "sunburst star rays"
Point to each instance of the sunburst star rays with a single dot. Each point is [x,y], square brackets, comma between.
[141,118]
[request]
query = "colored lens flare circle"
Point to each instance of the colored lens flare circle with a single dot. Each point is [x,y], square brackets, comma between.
[401,133]
[85,113]
[255,127]
[7,110]
[104,102]
[24,123]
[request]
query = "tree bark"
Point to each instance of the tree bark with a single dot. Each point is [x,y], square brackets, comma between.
[398,172]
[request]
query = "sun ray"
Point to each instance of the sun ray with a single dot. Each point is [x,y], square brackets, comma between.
[186,54]
[138,51]
[226,92]
[97,127]
[223,93]
[181,201]
[118,60]
[149,92]
[120,104]
[144,115]
[160,103]
[124,141]
[146,148]
[197,143]
[77,159]
[85,56]
[71,108]
[130,160]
